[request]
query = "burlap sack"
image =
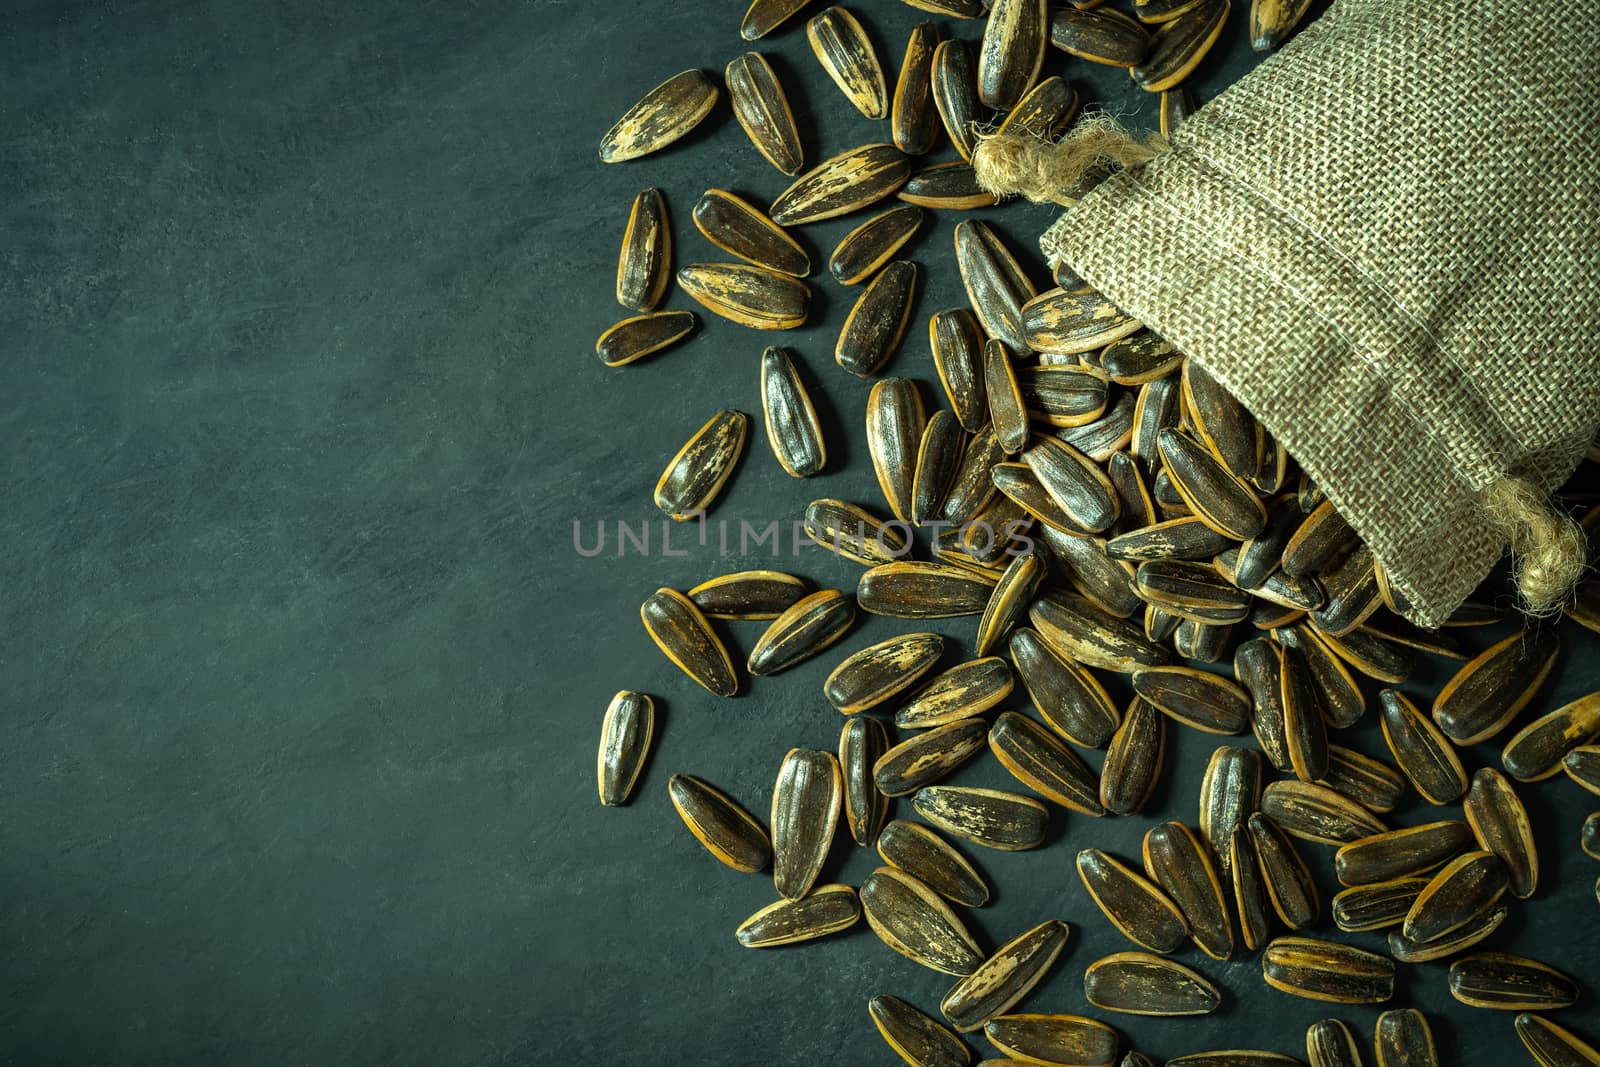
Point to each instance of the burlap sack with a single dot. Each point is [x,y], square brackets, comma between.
[1386,242]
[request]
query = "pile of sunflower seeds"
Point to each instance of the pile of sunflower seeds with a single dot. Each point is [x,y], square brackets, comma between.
[1098,503]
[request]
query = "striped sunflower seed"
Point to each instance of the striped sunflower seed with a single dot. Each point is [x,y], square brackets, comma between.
[1339,693]
[1093,637]
[917,923]
[1073,480]
[1067,324]
[855,533]
[1109,433]
[1005,977]
[997,286]
[644,265]
[928,756]
[752,296]
[1402,1039]
[1105,582]
[1261,555]
[805,811]
[1186,538]
[662,116]
[1510,983]
[1376,906]
[861,742]
[625,735]
[1331,1043]
[1134,757]
[867,678]
[1073,1039]
[1045,112]
[1180,45]
[1501,825]
[1230,790]
[955,93]
[684,636]
[916,590]
[1352,594]
[748,594]
[1316,813]
[1422,752]
[877,323]
[1288,880]
[1194,697]
[632,339]
[1177,861]
[1100,35]
[716,820]
[915,1037]
[1271,21]
[847,182]
[1039,761]
[1138,983]
[1304,731]
[1258,667]
[1326,970]
[993,818]
[1464,889]
[1139,910]
[805,628]
[949,186]
[1177,105]
[1226,503]
[1018,483]
[1409,950]
[762,109]
[1582,765]
[1140,358]
[957,345]
[1398,853]
[764,16]
[913,122]
[1137,506]
[1235,1057]
[1489,691]
[961,692]
[938,460]
[1551,1045]
[1249,889]
[1220,422]
[1536,751]
[863,251]
[933,861]
[1322,539]
[825,910]
[1012,51]
[1007,414]
[1192,590]
[846,53]
[792,427]
[895,423]
[1368,653]
[1373,784]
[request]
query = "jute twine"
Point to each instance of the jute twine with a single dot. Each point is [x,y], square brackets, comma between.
[1547,547]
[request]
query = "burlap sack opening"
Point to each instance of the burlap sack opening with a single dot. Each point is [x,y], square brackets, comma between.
[1386,242]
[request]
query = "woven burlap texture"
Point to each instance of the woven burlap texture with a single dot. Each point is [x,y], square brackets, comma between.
[1386,242]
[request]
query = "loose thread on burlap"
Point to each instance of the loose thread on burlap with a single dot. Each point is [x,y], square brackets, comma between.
[1047,171]
[1547,547]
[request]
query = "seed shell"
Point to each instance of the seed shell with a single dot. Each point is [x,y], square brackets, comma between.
[662,116]
[846,53]
[1062,1039]
[1397,853]
[1109,433]
[1422,752]
[1371,783]
[1073,480]
[1203,642]
[864,250]
[1186,538]
[1258,667]
[762,109]
[1551,1045]
[1582,765]
[938,460]
[1012,51]
[632,339]
[948,186]
[1195,698]
[1408,950]
[684,636]
[1225,502]
[1177,105]
[805,810]
[913,122]
[792,427]
[993,818]
[1007,412]
[1326,970]
[957,346]
[933,861]
[764,16]
[955,9]
[1180,863]
[1402,1039]
[1045,112]
[1005,977]
[1142,912]
[751,296]
[625,735]
[1082,632]
[644,266]
[1134,757]
[914,1036]
[1039,761]
[1260,556]
[804,629]
[1375,906]
[1536,751]
[917,590]
[1316,813]
[917,923]
[1138,983]
[1105,582]
[1192,590]
[1489,691]
[847,182]
[855,533]
[1284,872]
[826,910]
[1068,324]
[1303,728]
[955,93]
[1180,45]
[895,423]
[1249,889]
[1068,697]
[861,742]
[1501,825]
[928,756]
[1230,791]
[961,692]
[876,324]
[1322,539]
[754,594]
[1330,1043]
[1510,983]
[728,832]
[867,678]
[1339,693]
[1235,1057]
[997,288]
[1368,653]
[1352,594]
[740,229]
[1271,21]
[1465,888]
[1102,35]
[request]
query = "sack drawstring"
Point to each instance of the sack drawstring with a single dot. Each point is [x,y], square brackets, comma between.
[1547,547]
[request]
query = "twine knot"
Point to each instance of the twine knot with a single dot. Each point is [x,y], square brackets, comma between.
[1547,547]
[1022,162]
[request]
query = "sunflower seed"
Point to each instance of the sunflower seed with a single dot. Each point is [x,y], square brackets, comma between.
[1352,594]
[867,678]
[1249,889]
[1068,697]
[1101,36]
[1397,853]
[1220,422]
[1371,783]
[1064,323]
[1105,582]
[740,229]
[625,734]
[804,629]
[915,1037]
[1177,861]
[632,339]
[1105,435]
[1073,481]
[1133,760]
[1501,825]
[1138,509]
[916,922]
[1300,594]
[1316,813]
[865,249]
[825,910]
[912,118]
[1208,489]
[1195,698]
[993,818]
[1536,751]
[1375,906]
[644,265]
[805,810]
[926,757]
[1322,539]
[1368,653]
[1012,51]
[1465,888]
[728,832]
[1325,970]
[861,742]
[684,636]
[751,296]
[1257,665]
[792,427]
[955,9]
[1082,632]
[1142,913]
[1008,602]
[1272,20]
[1158,11]
[1155,410]
[1140,359]
[662,116]
[1582,765]
[877,323]
[1180,45]
[1285,874]
[917,590]
[1045,112]
[1551,1045]
[764,16]
[748,594]
[1489,691]
[855,533]
[1018,483]
[1235,1057]
[847,182]
[1338,692]
[961,692]
[1304,731]
[1260,556]
[1039,761]
[955,93]
[762,108]
[1192,590]
[1073,1039]
[1396,630]
[1408,950]
[1230,790]
[951,186]
[1183,539]
[846,53]
[1330,1043]
[1005,977]
[933,861]
[1177,105]
[957,346]
[1007,414]
[1141,984]
[1510,983]
[895,423]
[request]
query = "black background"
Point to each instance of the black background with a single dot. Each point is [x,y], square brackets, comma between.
[302,674]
